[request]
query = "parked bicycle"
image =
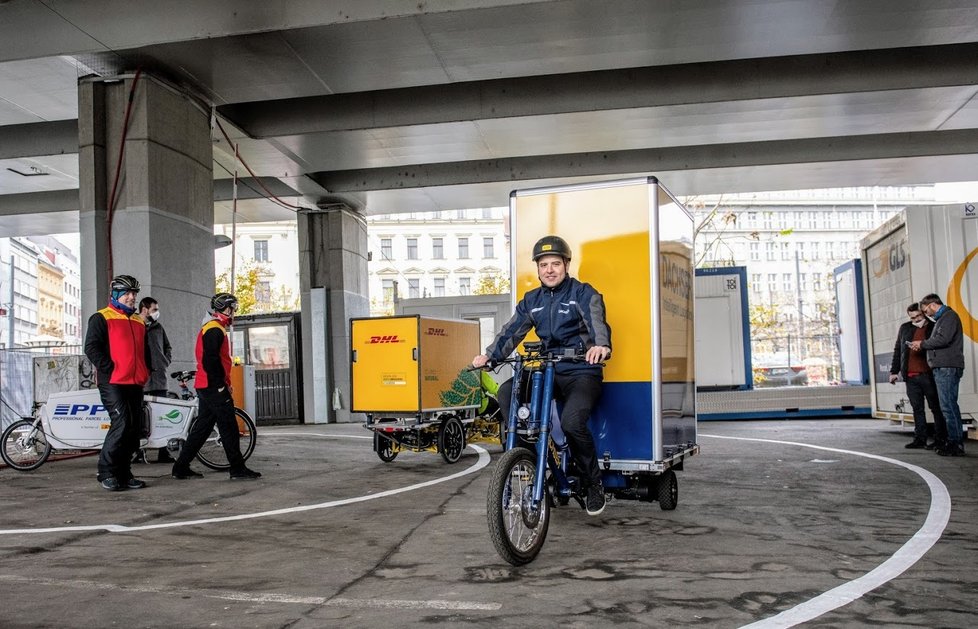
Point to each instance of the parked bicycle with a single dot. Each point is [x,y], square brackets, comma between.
[77,420]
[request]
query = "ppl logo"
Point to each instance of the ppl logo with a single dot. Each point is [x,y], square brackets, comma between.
[387,338]
[436,332]
[74,410]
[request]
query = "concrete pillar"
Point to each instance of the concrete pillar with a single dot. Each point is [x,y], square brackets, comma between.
[162,229]
[332,257]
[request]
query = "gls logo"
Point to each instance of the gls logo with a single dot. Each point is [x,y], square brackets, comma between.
[387,338]
[890,259]
[436,332]
[75,409]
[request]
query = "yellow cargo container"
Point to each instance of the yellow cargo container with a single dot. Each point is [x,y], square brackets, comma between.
[409,365]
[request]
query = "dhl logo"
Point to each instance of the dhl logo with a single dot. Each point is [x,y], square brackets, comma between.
[436,332]
[386,338]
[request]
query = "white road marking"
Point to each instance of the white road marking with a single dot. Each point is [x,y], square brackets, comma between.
[118,528]
[267,597]
[906,556]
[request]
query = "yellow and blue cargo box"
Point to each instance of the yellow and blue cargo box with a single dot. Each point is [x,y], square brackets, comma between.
[633,241]
[411,365]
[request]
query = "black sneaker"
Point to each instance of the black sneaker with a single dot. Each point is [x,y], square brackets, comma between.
[595,499]
[184,473]
[951,449]
[245,474]
[931,445]
[109,483]
[135,483]
[916,444]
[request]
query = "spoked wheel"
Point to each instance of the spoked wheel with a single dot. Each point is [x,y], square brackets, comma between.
[668,491]
[384,448]
[212,452]
[451,439]
[517,530]
[23,446]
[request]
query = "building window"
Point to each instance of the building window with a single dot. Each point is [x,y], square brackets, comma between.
[439,287]
[772,282]
[787,282]
[755,251]
[803,281]
[755,282]
[412,248]
[386,250]
[263,292]
[785,254]
[769,250]
[388,290]
[414,288]
[464,285]
[488,251]
[261,251]
[817,281]
[438,248]
[463,248]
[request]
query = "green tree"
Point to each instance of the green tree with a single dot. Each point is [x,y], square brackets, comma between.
[245,286]
[491,284]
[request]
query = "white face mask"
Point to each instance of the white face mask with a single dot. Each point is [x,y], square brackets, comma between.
[932,318]
[920,323]
[155,316]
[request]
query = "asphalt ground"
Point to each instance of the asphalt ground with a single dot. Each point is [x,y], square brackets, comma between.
[331,536]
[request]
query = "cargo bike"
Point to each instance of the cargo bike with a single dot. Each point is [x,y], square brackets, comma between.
[410,378]
[640,257]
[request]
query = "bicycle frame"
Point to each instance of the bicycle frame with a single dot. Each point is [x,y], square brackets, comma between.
[539,424]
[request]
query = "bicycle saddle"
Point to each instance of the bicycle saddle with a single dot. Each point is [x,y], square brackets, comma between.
[183,376]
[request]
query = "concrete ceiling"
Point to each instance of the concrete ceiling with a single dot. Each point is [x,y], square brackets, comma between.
[399,106]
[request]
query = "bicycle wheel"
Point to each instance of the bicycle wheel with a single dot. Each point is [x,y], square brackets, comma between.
[23,446]
[517,531]
[451,439]
[212,452]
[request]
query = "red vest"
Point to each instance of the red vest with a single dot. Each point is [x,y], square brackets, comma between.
[127,347]
[201,380]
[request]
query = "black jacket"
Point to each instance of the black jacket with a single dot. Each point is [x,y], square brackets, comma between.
[901,353]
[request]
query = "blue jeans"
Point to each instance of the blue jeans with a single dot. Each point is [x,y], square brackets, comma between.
[947,380]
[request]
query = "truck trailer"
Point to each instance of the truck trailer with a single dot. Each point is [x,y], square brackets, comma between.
[919,251]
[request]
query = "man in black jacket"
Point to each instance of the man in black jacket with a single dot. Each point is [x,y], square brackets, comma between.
[569,317]
[160,353]
[945,355]
[912,366]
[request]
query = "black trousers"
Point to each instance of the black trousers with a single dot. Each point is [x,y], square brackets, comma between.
[579,394]
[919,388]
[124,402]
[215,407]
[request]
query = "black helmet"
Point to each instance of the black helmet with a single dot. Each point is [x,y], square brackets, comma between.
[124,283]
[551,246]
[221,301]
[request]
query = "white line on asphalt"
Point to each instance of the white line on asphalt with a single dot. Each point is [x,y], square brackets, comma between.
[257,598]
[907,555]
[313,434]
[118,528]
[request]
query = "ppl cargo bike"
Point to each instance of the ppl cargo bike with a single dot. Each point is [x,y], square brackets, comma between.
[77,420]
[409,377]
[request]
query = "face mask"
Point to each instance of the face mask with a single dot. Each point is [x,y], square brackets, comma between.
[920,323]
[931,318]
[155,316]
[224,319]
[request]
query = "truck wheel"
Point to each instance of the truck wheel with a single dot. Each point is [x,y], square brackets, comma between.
[451,439]
[668,491]
[384,448]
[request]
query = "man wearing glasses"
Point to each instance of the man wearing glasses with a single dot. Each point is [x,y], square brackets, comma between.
[911,365]
[945,355]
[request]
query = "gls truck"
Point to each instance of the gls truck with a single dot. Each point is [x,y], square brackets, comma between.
[921,250]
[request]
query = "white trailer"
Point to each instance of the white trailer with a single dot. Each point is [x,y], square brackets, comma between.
[921,250]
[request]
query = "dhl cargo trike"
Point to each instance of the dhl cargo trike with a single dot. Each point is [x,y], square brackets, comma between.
[409,376]
[633,241]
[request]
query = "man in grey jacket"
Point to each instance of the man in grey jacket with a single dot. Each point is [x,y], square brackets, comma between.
[160,355]
[945,355]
